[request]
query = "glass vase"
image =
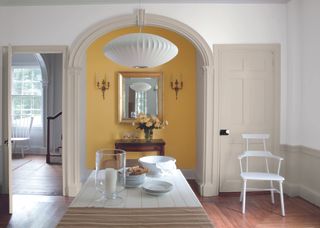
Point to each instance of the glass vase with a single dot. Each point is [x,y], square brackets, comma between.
[110,174]
[148,134]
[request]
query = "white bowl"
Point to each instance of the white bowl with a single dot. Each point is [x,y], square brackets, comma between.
[132,181]
[158,165]
[135,180]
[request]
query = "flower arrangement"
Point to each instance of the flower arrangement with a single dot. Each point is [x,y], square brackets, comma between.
[148,123]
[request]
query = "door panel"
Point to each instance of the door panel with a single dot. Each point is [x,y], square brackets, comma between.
[247,104]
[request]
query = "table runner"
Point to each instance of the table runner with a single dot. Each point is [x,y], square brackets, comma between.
[136,217]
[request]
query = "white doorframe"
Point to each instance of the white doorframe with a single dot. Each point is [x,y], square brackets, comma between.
[207,176]
[51,50]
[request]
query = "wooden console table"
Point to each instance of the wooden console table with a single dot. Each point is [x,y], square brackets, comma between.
[141,145]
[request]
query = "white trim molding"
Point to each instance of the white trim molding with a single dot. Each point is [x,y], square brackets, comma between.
[207,179]
[302,166]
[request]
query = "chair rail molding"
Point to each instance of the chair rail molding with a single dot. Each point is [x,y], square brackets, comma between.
[72,108]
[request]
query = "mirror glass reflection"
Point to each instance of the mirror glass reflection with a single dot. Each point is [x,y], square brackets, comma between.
[139,92]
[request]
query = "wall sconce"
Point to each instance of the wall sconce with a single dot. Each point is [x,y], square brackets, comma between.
[103,85]
[176,86]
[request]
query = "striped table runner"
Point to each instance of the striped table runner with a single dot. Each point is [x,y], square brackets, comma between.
[136,217]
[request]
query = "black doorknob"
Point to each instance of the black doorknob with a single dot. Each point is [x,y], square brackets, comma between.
[224,132]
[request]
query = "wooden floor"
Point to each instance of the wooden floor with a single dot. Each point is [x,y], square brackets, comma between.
[33,176]
[224,211]
[36,211]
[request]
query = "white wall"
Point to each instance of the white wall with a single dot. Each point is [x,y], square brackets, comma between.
[54,97]
[303,126]
[294,74]
[310,31]
[217,23]
[303,73]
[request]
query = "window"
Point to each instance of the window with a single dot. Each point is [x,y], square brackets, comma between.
[141,102]
[27,95]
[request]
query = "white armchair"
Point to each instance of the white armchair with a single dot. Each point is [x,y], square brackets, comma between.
[260,176]
[21,132]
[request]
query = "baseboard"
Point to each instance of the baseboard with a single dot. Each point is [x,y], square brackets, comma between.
[291,189]
[310,195]
[208,190]
[304,192]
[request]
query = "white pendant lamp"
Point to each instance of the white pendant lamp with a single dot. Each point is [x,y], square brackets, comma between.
[140,86]
[140,50]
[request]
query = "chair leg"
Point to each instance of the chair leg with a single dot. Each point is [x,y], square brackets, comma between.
[244,196]
[241,193]
[29,144]
[14,146]
[22,152]
[272,192]
[281,199]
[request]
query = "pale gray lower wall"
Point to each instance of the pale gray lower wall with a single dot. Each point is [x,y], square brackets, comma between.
[302,172]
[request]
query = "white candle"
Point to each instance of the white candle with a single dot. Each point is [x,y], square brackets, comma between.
[110,180]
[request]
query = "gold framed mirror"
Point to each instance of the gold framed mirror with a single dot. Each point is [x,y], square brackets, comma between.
[139,92]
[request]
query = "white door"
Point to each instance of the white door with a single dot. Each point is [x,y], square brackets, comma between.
[6,186]
[248,103]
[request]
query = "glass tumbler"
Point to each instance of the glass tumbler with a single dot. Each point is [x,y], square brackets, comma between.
[110,173]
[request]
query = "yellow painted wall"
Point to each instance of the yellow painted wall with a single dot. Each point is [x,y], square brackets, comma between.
[102,119]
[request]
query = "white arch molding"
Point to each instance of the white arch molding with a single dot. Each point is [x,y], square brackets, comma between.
[207,170]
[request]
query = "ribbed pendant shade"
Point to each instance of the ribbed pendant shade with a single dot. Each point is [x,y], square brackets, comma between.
[140,50]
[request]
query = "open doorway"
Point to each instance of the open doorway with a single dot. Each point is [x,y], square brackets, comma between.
[36,112]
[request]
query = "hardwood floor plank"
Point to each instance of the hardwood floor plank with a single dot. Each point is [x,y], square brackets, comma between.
[32,175]
[225,211]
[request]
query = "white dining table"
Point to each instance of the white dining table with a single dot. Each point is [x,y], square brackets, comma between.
[181,195]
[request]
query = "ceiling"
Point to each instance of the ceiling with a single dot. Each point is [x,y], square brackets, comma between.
[94,2]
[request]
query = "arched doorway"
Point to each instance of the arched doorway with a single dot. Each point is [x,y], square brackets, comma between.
[74,127]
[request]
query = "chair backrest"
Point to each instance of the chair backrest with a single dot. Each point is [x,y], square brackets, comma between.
[262,137]
[21,128]
[255,153]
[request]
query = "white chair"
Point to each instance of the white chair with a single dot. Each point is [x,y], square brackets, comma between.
[21,132]
[260,176]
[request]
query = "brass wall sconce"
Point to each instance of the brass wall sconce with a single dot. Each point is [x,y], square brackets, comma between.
[176,86]
[103,85]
